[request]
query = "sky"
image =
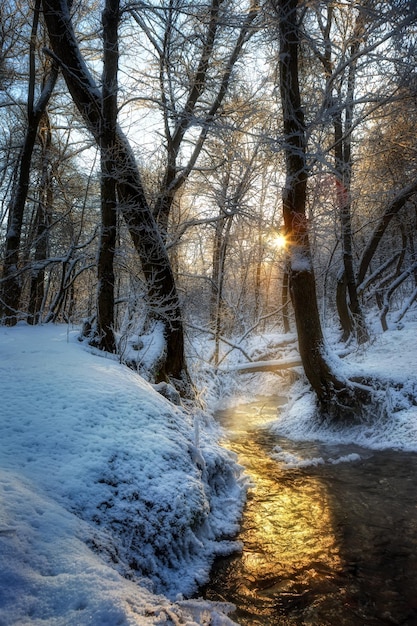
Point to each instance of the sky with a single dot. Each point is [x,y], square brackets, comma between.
[114,502]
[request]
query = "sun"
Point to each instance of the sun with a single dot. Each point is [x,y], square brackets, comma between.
[279,241]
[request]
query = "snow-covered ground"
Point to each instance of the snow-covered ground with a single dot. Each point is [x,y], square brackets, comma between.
[391,358]
[113,501]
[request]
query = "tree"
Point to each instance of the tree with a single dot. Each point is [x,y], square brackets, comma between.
[42,222]
[162,293]
[388,158]
[10,32]
[339,98]
[105,265]
[196,52]
[332,392]
[11,283]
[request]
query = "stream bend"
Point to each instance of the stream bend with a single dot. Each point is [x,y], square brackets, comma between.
[326,543]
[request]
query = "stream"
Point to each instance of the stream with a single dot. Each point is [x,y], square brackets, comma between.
[327,544]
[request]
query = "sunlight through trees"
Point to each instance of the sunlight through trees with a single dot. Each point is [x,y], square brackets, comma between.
[240,145]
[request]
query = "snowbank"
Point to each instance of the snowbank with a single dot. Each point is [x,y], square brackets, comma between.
[113,501]
[391,358]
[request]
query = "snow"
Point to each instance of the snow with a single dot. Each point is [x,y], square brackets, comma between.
[300,260]
[391,357]
[305,440]
[289,460]
[114,502]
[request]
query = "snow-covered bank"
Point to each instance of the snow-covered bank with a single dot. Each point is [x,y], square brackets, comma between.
[109,494]
[113,501]
[391,358]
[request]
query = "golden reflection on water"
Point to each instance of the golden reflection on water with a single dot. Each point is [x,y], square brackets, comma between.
[287,529]
[325,545]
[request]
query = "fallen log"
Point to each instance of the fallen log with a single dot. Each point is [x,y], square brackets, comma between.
[264,366]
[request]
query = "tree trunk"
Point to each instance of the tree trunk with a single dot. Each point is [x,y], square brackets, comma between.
[343,164]
[301,273]
[37,283]
[221,242]
[285,300]
[393,208]
[162,293]
[348,305]
[342,306]
[105,338]
[11,287]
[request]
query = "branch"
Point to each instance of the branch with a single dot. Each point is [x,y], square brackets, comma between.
[229,343]
[392,209]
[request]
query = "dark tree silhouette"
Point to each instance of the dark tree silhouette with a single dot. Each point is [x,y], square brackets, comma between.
[335,395]
[161,289]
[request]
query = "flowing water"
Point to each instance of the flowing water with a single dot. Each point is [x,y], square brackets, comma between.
[328,544]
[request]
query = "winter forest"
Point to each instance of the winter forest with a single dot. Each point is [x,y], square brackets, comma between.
[187,166]
[208,185]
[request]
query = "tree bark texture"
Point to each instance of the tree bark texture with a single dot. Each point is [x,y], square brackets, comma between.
[43,212]
[105,264]
[221,242]
[301,273]
[162,293]
[343,166]
[285,300]
[11,283]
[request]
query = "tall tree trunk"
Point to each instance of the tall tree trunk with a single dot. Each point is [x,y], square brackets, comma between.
[343,312]
[43,212]
[105,266]
[301,273]
[285,300]
[162,293]
[221,242]
[258,276]
[11,283]
[347,300]
[343,167]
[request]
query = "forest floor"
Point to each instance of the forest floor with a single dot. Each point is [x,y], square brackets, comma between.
[114,502]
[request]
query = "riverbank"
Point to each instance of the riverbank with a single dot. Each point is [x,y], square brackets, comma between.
[324,543]
[114,501]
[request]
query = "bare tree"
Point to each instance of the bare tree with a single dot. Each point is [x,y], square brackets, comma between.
[194,81]
[42,223]
[11,283]
[162,293]
[350,312]
[105,265]
[331,391]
